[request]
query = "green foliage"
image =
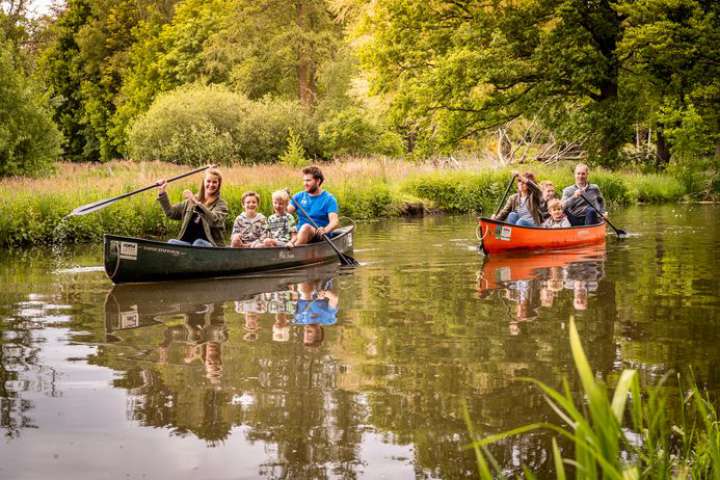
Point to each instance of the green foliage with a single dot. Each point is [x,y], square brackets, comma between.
[456,69]
[29,140]
[191,125]
[195,124]
[631,436]
[294,156]
[261,137]
[656,188]
[31,216]
[350,132]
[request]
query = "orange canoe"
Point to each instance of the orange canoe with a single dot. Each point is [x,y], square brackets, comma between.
[497,236]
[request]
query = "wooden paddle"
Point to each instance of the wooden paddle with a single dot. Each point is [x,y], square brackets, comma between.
[618,231]
[100,204]
[507,190]
[346,260]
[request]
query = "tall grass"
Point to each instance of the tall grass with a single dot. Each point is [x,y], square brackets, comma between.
[31,210]
[629,435]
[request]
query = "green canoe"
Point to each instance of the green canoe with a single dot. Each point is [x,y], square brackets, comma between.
[130,259]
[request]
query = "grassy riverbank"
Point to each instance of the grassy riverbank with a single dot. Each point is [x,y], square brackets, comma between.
[31,210]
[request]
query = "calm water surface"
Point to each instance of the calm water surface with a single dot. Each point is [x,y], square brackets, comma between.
[326,374]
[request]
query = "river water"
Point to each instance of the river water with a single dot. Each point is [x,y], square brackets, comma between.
[327,374]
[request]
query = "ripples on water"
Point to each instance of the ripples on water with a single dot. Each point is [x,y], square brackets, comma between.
[333,374]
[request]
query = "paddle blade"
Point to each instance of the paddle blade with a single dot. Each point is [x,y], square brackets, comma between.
[90,207]
[348,261]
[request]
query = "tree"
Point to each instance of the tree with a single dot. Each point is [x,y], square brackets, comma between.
[457,68]
[672,48]
[29,141]
[85,67]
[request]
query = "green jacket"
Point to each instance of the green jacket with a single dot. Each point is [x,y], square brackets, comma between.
[533,205]
[212,217]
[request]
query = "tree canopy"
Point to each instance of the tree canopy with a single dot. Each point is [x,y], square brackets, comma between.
[596,76]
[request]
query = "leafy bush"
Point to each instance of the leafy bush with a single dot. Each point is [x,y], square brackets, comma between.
[190,125]
[262,134]
[294,156]
[29,140]
[655,188]
[198,124]
[349,132]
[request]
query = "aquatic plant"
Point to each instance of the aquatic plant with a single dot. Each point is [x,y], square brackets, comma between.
[631,435]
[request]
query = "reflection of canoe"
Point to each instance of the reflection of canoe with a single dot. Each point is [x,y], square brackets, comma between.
[138,260]
[500,236]
[502,269]
[133,306]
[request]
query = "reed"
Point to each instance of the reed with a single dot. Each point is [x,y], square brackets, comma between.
[31,210]
[632,434]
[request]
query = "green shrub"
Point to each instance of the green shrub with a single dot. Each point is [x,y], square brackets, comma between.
[294,156]
[190,125]
[613,186]
[656,188]
[29,140]
[197,124]
[262,135]
[350,132]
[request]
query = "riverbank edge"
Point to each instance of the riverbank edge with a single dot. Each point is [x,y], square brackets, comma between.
[32,211]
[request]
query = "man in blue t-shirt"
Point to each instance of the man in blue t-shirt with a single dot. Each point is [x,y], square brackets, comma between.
[320,205]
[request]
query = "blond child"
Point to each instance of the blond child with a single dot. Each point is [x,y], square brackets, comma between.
[250,225]
[280,230]
[557,217]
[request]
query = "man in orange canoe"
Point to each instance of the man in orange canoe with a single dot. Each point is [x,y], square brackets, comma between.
[575,199]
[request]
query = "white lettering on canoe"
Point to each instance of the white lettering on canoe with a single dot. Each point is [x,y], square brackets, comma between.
[128,250]
[168,251]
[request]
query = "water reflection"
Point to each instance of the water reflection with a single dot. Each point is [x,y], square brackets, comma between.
[195,379]
[536,281]
[320,375]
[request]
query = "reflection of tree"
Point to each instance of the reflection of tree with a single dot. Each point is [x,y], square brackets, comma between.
[422,364]
[194,405]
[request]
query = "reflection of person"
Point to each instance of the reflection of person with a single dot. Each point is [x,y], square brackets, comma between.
[315,307]
[580,295]
[252,326]
[281,327]
[203,334]
[547,297]
[203,217]
[523,208]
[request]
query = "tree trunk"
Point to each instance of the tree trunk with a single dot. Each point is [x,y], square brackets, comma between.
[663,151]
[504,146]
[307,88]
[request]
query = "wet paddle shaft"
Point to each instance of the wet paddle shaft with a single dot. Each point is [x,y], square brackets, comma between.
[100,204]
[346,260]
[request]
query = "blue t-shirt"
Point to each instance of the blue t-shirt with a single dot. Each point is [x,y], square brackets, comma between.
[315,312]
[317,206]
